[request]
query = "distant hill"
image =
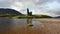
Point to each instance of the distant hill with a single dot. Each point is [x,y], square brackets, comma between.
[9,11]
[57,17]
[41,16]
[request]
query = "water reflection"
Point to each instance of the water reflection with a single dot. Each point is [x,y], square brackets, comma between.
[29,21]
[15,26]
[5,21]
[5,24]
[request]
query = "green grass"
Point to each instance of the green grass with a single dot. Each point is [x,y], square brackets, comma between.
[18,16]
[29,25]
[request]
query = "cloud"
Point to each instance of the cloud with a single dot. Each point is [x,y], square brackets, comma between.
[48,7]
[6,3]
[51,8]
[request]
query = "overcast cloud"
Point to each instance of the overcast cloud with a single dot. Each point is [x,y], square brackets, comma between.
[47,7]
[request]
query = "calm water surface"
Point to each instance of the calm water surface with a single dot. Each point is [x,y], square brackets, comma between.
[15,26]
[19,26]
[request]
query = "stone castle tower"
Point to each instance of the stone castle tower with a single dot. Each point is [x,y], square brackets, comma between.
[29,13]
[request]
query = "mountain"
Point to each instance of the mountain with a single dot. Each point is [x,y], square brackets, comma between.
[9,11]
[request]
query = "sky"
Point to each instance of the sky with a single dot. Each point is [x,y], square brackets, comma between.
[46,7]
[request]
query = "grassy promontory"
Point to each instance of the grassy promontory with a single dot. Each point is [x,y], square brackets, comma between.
[18,16]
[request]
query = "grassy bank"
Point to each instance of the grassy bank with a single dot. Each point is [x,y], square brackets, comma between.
[20,16]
